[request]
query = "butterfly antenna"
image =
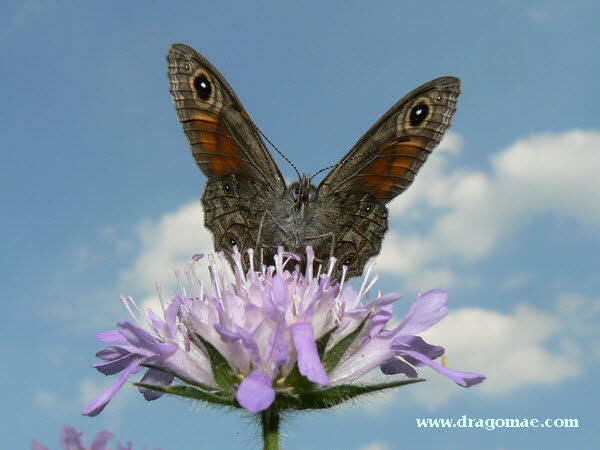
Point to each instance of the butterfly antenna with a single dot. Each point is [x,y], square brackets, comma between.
[323,170]
[278,151]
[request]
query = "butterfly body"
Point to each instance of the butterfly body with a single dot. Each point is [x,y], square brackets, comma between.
[248,204]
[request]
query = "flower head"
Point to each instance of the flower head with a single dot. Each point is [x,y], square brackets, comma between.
[271,337]
[71,439]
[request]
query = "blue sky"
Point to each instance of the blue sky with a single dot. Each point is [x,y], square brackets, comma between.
[101,196]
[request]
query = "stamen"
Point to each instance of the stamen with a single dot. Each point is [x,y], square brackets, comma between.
[197,257]
[181,287]
[310,257]
[196,279]
[160,297]
[279,261]
[292,256]
[188,278]
[365,280]
[372,283]
[129,303]
[237,258]
[213,276]
[332,262]
[251,256]
[444,361]
[344,270]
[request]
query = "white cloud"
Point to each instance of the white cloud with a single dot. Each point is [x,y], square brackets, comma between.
[516,280]
[475,210]
[512,350]
[472,211]
[46,399]
[167,244]
[377,445]
[525,347]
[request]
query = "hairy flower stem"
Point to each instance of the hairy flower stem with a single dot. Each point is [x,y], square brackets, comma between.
[269,420]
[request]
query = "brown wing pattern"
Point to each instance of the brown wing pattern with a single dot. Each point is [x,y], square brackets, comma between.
[381,165]
[232,212]
[363,222]
[223,138]
[242,175]
[386,159]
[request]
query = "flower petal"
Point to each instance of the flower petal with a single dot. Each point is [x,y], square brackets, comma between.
[71,438]
[417,344]
[101,440]
[464,379]
[144,340]
[428,309]
[98,404]
[279,291]
[309,363]
[112,337]
[255,393]
[373,353]
[155,377]
[380,319]
[35,445]
[394,366]
[116,365]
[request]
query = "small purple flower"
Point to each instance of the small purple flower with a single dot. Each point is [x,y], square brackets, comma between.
[71,439]
[275,335]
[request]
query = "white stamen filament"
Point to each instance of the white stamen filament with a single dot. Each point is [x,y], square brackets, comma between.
[129,303]
[332,262]
[160,297]
[181,287]
[365,280]
[344,270]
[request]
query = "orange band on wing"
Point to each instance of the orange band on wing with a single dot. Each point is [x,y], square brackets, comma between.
[214,148]
[394,168]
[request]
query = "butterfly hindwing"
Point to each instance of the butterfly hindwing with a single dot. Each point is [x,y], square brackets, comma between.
[362,223]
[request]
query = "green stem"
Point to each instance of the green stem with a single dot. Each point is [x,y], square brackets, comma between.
[269,421]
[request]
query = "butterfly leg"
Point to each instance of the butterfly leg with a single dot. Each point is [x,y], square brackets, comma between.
[261,247]
[275,221]
[260,227]
[331,235]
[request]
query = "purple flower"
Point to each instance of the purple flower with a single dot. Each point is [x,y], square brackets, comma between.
[275,335]
[71,439]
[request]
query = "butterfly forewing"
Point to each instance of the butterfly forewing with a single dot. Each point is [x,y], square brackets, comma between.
[386,159]
[382,164]
[224,140]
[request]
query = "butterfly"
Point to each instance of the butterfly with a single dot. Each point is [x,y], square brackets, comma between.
[247,202]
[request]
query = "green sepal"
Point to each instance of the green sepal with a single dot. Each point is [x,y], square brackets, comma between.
[333,396]
[192,392]
[322,342]
[298,382]
[335,353]
[225,377]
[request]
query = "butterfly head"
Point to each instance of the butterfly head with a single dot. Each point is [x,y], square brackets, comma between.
[301,193]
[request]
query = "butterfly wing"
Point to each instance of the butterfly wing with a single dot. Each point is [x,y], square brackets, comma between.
[382,164]
[242,174]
